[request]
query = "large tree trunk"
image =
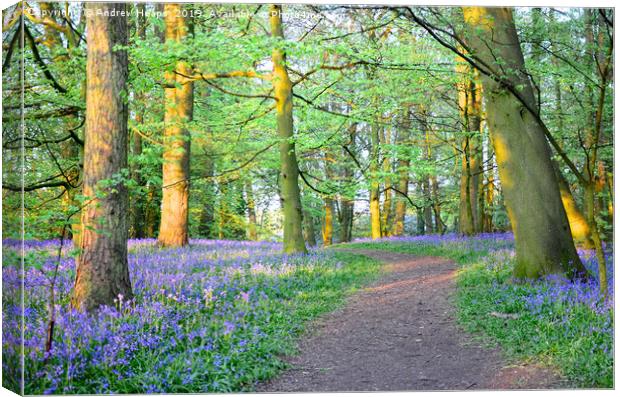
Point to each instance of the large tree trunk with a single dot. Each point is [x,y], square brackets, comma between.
[102,269]
[179,108]
[289,171]
[542,233]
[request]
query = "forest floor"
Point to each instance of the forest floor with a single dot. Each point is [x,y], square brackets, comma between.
[401,334]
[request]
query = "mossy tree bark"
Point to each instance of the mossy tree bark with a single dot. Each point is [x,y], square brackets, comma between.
[179,107]
[289,172]
[102,269]
[544,244]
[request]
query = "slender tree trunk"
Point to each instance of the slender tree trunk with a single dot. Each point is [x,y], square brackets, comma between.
[136,204]
[249,193]
[152,211]
[386,215]
[544,244]
[309,232]
[400,205]
[327,230]
[420,221]
[179,108]
[428,206]
[289,171]
[375,215]
[439,226]
[346,202]
[207,216]
[102,269]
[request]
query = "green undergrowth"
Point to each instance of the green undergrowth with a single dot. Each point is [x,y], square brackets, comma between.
[559,324]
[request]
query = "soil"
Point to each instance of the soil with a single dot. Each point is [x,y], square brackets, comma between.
[400,334]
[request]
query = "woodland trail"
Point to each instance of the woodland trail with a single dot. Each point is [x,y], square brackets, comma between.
[400,334]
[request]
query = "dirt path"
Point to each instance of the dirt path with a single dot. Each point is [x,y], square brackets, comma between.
[400,334]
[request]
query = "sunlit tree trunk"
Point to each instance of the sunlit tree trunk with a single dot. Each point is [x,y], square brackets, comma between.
[601,53]
[179,108]
[543,240]
[102,269]
[327,230]
[469,108]
[289,171]
[375,215]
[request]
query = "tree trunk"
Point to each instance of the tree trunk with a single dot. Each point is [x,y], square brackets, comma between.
[428,206]
[375,215]
[400,205]
[327,230]
[439,226]
[207,216]
[249,193]
[179,108]
[289,171]
[309,232]
[346,202]
[102,269]
[386,215]
[579,227]
[420,221]
[136,204]
[542,233]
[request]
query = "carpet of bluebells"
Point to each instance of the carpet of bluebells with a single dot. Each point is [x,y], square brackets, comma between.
[212,317]
[567,324]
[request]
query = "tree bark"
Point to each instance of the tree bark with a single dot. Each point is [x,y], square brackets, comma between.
[544,244]
[249,194]
[309,232]
[289,171]
[346,202]
[179,108]
[102,269]
[400,205]
[386,214]
[375,215]
[207,215]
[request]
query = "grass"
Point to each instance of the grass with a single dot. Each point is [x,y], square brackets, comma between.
[564,325]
